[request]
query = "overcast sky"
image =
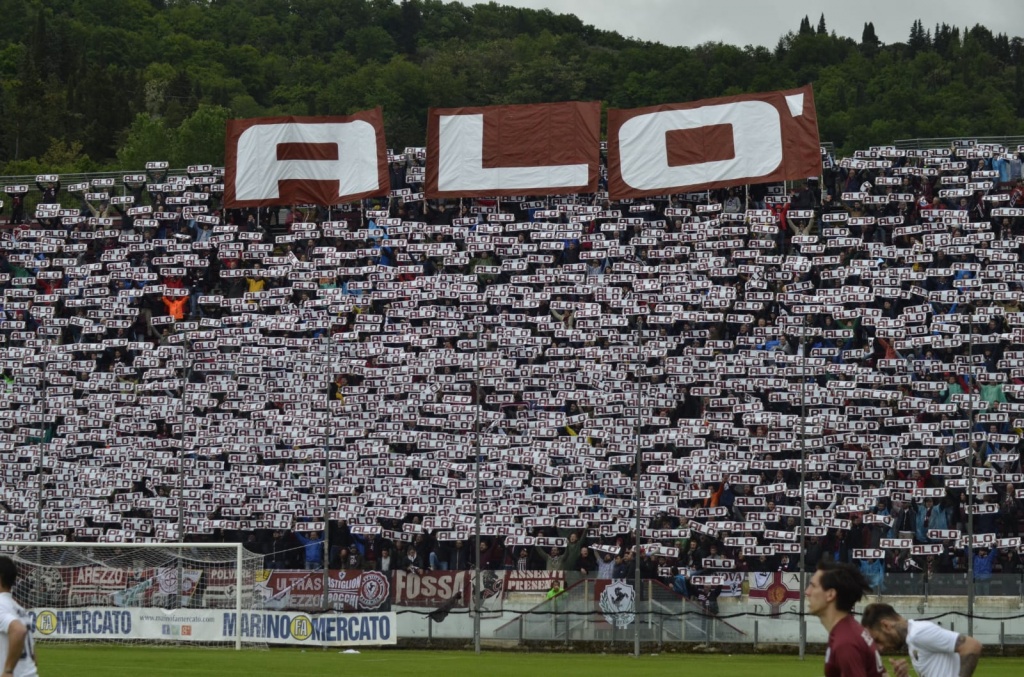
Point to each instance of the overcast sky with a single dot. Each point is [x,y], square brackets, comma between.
[763,22]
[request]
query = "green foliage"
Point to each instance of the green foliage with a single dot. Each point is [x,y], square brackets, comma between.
[60,157]
[147,140]
[137,80]
[200,138]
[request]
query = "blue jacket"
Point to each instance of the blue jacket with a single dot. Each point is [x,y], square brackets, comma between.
[939,520]
[314,547]
[874,572]
[983,564]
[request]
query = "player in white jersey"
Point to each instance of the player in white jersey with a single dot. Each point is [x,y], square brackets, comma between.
[934,651]
[17,650]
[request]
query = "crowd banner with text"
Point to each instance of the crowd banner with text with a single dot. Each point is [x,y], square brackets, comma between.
[300,160]
[714,143]
[207,625]
[347,589]
[531,149]
[549,148]
[355,590]
[103,586]
[431,588]
[532,581]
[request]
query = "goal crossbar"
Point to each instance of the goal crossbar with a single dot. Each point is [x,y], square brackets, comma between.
[21,553]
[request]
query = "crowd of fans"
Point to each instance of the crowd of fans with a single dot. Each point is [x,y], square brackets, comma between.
[332,385]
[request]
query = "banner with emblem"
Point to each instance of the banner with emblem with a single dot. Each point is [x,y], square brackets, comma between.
[298,589]
[774,592]
[616,600]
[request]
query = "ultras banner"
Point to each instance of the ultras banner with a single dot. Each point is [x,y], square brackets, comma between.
[714,143]
[347,589]
[299,160]
[513,150]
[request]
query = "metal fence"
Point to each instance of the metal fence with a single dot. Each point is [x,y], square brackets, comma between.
[660,614]
[659,617]
[1010,142]
[70,178]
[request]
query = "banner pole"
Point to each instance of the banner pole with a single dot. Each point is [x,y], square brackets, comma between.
[477,592]
[638,460]
[325,602]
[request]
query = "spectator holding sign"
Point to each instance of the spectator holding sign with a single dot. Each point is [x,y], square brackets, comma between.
[553,561]
[605,565]
[50,188]
[17,207]
[984,559]
[314,545]
[1010,511]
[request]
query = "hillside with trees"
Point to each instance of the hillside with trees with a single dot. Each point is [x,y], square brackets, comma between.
[86,85]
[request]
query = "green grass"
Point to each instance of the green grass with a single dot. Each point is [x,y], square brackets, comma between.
[106,661]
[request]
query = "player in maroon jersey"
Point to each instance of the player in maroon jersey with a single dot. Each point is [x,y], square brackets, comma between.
[831,595]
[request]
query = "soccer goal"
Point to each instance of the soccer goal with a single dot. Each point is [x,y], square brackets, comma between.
[192,593]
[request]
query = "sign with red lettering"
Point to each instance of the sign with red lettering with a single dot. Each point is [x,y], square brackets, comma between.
[87,585]
[714,143]
[549,148]
[299,589]
[305,160]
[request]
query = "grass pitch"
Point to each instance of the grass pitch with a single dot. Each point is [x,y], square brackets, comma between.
[130,661]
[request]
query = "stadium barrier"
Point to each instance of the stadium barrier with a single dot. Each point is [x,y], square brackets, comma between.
[752,618]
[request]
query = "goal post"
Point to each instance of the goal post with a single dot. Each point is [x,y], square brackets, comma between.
[194,593]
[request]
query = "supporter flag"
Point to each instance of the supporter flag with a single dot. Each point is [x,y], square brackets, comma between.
[541,149]
[305,160]
[714,143]
[774,589]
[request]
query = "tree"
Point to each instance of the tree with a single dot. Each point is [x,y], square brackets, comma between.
[146,140]
[946,40]
[919,40]
[868,38]
[200,138]
[60,157]
[83,71]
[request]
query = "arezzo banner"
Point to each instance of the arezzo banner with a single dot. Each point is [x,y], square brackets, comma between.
[302,160]
[106,586]
[534,149]
[714,143]
[347,589]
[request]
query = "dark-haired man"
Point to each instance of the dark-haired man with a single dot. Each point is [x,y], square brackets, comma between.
[834,590]
[934,651]
[16,647]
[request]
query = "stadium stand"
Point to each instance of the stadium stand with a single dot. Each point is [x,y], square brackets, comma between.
[842,355]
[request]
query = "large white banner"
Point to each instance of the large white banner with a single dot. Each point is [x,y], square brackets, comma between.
[208,625]
[294,160]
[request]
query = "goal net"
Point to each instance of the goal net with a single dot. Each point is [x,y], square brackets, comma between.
[102,592]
